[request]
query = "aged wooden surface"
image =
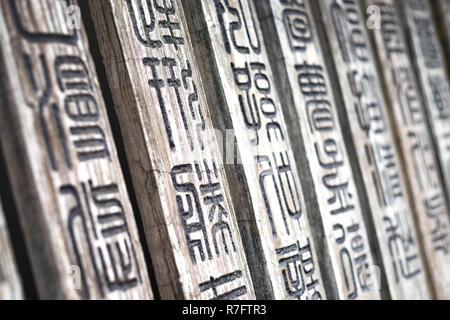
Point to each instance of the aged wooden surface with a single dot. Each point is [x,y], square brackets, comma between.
[431,70]
[371,146]
[10,283]
[265,183]
[66,179]
[407,112]
[175,161]
[441,9]
[309,105]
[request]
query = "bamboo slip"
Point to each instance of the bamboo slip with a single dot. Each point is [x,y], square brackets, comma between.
[66,178]
[10,283]
[407,111]
[242,89]
[309,104]
[441,9]
[172,152]
[371,146]
[431,71]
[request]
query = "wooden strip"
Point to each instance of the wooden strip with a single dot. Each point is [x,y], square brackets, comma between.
[10,283]
[371,143]
[409,120]
[241,89]
[172,152]
[431,71]
[441,9]
[309,103]
[66,178]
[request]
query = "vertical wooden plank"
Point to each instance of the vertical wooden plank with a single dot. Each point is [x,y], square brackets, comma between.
[407,112]
[307,99]
[441,10]
[173,155]
[371,143]
[10,283]
[431,70]
[242,90]
[66,178]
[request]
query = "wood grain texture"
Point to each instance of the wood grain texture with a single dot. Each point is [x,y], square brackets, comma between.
[441,10]
[174,157]
[428,58]
[407,111]
[370,142]
[306,96]
[66,178]
[241,90]
[10,282]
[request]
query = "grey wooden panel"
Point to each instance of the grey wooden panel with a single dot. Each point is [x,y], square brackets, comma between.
[174,157]
[430,66]
[441,10]
[407,111]
[243,92]
[66,178]
[364,112]
[309,102]
[10,282]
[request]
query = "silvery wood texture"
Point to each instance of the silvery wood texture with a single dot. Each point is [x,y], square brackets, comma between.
[66,179]
[10,282]
[376,161]
[408,115]
[310,105]
[428,58]
[441,10]
[174,157]
[241,88]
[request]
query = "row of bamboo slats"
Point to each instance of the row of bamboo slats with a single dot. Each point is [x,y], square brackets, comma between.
[225,149]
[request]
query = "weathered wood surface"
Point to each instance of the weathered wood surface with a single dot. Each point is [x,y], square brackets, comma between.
[371,146]
[441,9]
[309,104]
[172,151]
[265,183]
[10,283]
[431,71]
[407,112]
[66,178]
